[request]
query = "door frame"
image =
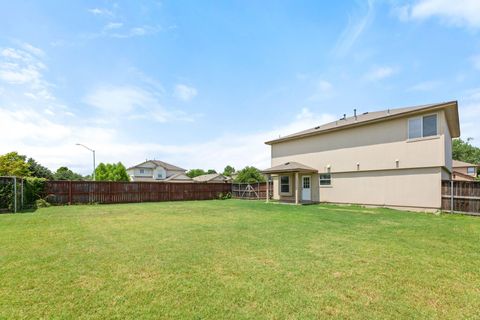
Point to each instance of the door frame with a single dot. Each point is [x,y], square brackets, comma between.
[310,184]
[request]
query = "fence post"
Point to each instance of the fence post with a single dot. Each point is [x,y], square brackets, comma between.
[451,196]
[21,203]
[15,194]
[70,192]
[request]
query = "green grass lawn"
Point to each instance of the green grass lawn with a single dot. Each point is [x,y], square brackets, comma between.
[237,259]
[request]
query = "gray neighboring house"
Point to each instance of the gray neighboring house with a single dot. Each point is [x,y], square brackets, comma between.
[213,178]
[157,171]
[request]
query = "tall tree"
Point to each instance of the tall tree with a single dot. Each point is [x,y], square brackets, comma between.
[39,171]
[465,151]
[228,171]
[14,164]
[63,173]
[111,172]
[192,173]
[250,175]
[211,171]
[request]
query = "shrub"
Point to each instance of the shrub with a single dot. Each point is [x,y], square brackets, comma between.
[224,196]
[34,188]
[42,203]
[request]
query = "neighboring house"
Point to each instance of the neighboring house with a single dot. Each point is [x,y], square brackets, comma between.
[464,171]
[212,178]
[154,170]
[394,158]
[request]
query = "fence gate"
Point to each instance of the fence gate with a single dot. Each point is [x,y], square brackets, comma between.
[11,194]
[251,191]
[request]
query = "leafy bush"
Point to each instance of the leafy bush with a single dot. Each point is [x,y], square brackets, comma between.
[34,188]
[224,196]
[42,203]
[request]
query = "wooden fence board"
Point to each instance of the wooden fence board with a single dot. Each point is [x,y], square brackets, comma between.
[466,196]
[65,192]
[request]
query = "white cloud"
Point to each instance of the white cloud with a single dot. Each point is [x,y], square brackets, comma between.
[113,25]
[184,92]
[425,86]
[24,69]
[354,29]
[380,73]
[133,102]
[100,12]
[458,13]
[476,61]
[322,89]
[469,109]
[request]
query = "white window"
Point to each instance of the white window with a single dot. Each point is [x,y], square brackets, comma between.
[284,184]
[425,126]
[142,170]
[325,179]
[160,175]
[471,170]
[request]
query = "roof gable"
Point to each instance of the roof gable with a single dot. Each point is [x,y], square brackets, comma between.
[158,163]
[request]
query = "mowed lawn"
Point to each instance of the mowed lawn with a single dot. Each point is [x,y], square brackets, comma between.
[237,259]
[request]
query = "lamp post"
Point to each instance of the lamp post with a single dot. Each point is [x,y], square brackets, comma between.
[93,151]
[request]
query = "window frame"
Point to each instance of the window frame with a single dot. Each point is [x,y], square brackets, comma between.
[141,171]
[280,184]
[329,179]
[421,127]
[474,171]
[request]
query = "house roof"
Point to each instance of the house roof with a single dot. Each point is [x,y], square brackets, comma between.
[463,175]
[461,164]
[165,165]
[178,176]
[290,167]
[451,108]
[209,177]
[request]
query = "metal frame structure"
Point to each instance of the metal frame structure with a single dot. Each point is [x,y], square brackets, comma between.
[15,179]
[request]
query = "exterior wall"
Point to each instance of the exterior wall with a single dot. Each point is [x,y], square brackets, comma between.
[415,188]
[290,197]
[364,167]
[464,170]
[373,147]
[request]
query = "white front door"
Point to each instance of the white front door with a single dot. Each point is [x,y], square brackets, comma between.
[306,191]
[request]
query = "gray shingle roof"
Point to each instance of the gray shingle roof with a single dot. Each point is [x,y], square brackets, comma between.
[290,167]
[461,164]
[165,165]
[208,177]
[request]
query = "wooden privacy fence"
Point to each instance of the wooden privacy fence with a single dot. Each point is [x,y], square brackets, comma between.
[251,191]
[70,192]
[465,196]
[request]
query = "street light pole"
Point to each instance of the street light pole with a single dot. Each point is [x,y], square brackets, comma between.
[93,151]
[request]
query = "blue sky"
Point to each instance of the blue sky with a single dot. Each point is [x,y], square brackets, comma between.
[204,84]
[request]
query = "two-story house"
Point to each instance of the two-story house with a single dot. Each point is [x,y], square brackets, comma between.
[155,170]
[464,171]
[394,158]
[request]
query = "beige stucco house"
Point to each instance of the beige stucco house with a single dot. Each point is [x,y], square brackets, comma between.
[464,171]
[212,178]
[159,171]
[395,158]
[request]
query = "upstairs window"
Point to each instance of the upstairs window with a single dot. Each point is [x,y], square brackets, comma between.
[325,179]
[142,170]
[421,127]
[284,184]
[471,170]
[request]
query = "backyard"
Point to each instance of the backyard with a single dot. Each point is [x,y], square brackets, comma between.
[237,259]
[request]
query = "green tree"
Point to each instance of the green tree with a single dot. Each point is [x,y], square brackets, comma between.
[39,171]
[111,172]
[192,173]
[465,151]
[63,173]
[228,171]
[14,164]
[211,171]
[250,175]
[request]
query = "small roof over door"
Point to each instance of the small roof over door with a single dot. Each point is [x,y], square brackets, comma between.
[290,167]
